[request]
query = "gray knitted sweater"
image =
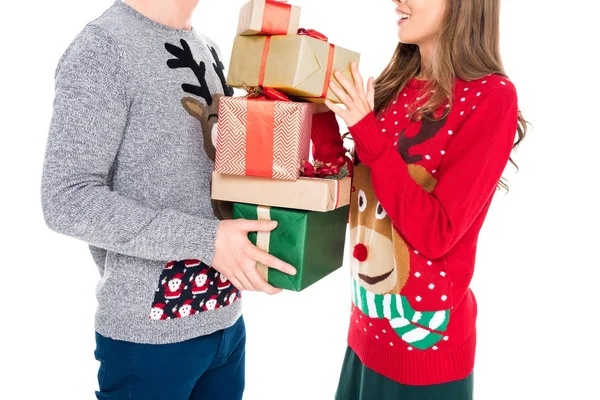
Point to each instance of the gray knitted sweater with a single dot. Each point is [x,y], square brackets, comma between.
[128,168]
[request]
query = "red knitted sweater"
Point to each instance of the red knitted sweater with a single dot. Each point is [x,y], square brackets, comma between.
[421,190]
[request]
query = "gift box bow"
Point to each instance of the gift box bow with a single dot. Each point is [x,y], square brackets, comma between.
[260,93]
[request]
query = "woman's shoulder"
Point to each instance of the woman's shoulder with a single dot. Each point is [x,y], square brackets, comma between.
[484,85]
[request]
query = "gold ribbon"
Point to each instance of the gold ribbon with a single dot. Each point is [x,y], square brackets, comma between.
[263,239]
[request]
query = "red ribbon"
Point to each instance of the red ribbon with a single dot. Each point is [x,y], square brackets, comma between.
[263,63]
[270,94]
[313,34]
[259,138]
[329,71]
[260,129]
[276,18]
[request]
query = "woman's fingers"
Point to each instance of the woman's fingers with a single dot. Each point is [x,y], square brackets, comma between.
[339,111]
[371,93]
[343,96]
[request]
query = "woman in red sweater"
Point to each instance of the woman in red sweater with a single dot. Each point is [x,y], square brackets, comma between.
[433,135]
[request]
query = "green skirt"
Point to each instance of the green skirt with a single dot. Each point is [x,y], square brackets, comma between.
[358,382]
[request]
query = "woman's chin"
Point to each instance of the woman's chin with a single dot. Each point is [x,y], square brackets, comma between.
[404,38]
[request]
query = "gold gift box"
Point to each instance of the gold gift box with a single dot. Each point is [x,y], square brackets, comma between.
[310,194]
[296,65]
[252,15]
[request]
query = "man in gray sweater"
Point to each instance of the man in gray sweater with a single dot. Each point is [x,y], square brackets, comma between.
[128,169]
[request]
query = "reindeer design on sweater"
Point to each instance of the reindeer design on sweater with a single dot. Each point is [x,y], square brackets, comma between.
[381,262]
[208,114]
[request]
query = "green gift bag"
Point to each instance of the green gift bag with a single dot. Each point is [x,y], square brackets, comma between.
[311,241]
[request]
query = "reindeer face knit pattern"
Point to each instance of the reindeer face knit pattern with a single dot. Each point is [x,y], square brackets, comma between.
[128,170]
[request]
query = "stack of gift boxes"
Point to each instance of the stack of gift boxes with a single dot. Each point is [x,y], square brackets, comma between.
[263,143]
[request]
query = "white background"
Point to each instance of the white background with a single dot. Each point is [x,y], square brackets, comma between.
[537,270]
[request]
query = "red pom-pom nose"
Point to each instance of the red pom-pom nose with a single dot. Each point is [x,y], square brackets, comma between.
[360,252]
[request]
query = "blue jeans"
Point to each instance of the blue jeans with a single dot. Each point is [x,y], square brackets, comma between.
[208,367]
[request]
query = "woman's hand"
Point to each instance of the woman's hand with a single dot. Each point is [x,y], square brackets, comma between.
[358,102]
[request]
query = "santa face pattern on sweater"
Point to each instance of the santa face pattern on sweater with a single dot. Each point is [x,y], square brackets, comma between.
[189,287]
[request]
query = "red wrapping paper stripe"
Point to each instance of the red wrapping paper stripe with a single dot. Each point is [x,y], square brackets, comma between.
[263,63]
[276,18]
[259,138]
[329,71]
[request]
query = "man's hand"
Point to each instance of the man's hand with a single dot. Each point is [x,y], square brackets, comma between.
[236,257]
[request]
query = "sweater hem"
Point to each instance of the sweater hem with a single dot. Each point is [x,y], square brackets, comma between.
[145,331]
[412,367]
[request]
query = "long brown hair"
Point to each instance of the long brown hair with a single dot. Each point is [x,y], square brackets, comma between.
[468,48]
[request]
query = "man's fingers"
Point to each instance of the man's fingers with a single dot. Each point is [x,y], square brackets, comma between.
[241,277]
[271,261]
[259,282]
[258,225]
[235,282]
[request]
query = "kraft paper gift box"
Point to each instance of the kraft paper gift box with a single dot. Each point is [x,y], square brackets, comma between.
[311,194]
[299,65]
[268,17]
[262,138]
[312,242]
